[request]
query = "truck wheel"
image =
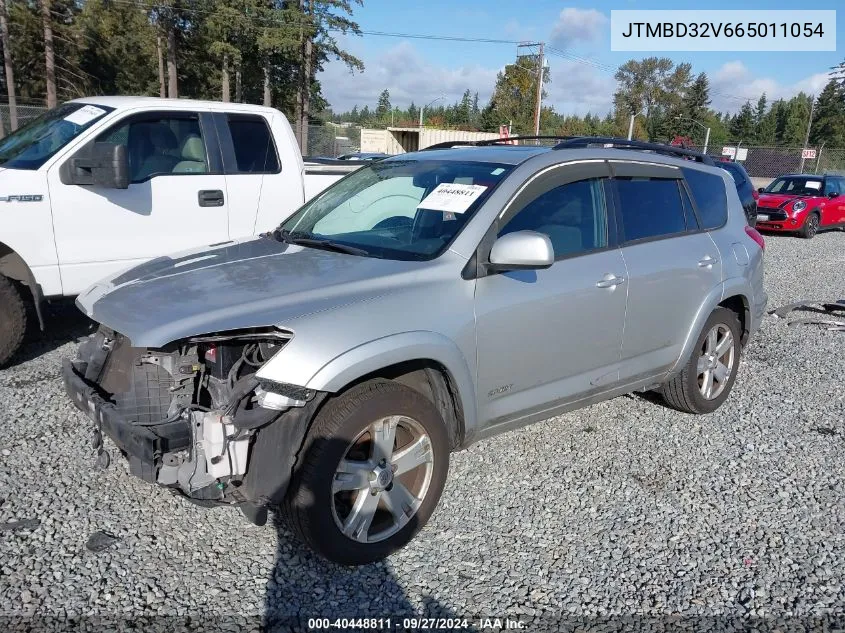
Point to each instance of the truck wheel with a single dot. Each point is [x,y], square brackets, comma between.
[811,226]
[12,319]
[706,380]
[375,462]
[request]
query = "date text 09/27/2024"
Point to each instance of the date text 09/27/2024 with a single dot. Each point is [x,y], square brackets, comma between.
[415,624]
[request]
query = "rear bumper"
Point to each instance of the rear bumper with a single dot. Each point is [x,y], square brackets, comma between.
[142,446]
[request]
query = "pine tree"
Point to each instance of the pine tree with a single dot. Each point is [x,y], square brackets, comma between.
[829,117]
[797,115]
[383,106]
[742,125]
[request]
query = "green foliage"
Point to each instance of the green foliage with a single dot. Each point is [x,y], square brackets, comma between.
[109,47]
[829,118]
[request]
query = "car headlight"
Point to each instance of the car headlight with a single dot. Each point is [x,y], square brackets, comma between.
[799,205]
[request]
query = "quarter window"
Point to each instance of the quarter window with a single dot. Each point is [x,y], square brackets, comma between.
[650,207]
[574,216]
[255,151]
[160,145]
[710,198]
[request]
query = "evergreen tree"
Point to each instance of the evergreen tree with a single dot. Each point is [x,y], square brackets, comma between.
[829,117]
[383,106]
[797,116]
[742,125]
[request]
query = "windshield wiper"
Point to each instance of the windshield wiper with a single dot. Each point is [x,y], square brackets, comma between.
[315,242]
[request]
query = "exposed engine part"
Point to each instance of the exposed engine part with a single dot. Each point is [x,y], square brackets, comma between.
[820,307]
[219,451]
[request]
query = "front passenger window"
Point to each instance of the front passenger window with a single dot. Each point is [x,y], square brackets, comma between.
[831,185]
[160,146]
[574,216]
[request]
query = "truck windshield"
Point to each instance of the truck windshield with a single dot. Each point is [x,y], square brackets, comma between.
[32,145]
[396,209]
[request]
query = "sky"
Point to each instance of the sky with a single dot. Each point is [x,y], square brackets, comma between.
[581,66]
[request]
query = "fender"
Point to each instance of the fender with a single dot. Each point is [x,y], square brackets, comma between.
[13,266]
[728,288]
[397,348]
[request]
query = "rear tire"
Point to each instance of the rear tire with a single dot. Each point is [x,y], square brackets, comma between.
[697,388]
[811,227]
[342,477]
[12,319]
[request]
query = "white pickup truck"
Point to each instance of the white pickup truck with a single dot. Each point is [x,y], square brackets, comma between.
[101,184]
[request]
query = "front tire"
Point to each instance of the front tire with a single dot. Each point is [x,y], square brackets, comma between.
[811,226]
[12,320]
[709,375]
[375,463]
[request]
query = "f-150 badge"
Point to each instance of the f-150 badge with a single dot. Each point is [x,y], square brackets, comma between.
[25,197]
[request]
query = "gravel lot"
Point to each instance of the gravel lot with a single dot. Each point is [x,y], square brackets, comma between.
[625,512]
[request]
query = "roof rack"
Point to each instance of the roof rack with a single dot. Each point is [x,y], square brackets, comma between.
[495,141]
[657,148]
[574,142]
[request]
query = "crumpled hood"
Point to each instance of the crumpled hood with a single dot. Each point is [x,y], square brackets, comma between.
[255,282]
[777,200]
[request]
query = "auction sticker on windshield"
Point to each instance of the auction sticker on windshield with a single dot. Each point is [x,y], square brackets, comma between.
[451,197]
[84,115]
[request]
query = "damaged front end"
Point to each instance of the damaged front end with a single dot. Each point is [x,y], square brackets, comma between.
[193,416]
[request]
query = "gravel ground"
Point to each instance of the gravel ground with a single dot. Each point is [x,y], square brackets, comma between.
[621,514]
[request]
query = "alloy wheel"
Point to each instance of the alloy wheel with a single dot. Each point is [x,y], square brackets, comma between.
[716,362]
[382,479]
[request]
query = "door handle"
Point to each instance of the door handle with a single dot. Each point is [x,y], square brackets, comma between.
[210,198]
[609,281]
[707,261]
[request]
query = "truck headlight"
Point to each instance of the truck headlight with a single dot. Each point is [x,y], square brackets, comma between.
[799,205]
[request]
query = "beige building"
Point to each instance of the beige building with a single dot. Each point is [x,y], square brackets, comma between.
[398,140]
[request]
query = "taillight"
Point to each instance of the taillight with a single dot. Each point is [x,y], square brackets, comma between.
[754,234]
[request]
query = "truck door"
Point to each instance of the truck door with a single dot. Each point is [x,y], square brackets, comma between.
[263,189]
[176,199]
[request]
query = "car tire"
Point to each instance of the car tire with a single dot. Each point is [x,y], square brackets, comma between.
[687,390]
[342,432]
[12,319]
[811,226]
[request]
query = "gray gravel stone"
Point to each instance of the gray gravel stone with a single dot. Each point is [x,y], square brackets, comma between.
[649,514]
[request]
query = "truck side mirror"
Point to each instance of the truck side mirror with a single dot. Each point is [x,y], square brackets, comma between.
[100,164]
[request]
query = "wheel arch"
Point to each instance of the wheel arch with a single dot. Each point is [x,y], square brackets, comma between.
[425,361]
[732,294]
[13,266]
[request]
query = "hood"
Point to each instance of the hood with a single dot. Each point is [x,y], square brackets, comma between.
[257,282]
[777,200]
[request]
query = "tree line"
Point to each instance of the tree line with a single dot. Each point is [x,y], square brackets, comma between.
[255,51]
[670,102]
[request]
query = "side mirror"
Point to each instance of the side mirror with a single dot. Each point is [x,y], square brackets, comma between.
[833,194]
[100,164]
[522,250]
[760,189]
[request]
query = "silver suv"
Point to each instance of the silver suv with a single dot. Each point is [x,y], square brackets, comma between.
[419,305]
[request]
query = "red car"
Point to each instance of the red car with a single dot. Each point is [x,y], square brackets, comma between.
[802,203]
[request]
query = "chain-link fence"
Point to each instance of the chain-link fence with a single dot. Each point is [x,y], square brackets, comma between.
[332,140]
[25,114]
[771,162]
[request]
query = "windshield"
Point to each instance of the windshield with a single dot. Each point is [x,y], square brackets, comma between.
[399,209]
[796,186]
[32,145]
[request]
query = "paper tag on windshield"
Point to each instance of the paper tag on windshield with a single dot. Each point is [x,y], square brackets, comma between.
[84,115]
[451,197]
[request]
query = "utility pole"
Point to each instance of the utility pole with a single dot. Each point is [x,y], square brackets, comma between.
[807,136]
[539,91]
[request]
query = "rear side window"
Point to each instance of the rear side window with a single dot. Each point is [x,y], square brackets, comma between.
[255,151]
[710,199]
[650,207]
